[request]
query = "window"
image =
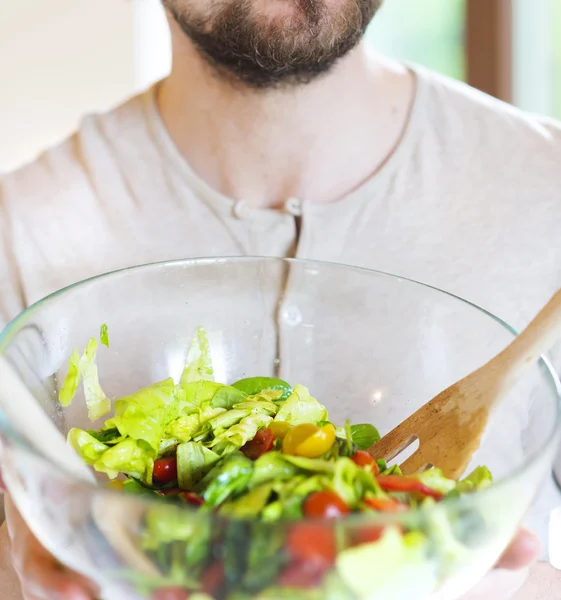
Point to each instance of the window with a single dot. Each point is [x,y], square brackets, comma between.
[427,32]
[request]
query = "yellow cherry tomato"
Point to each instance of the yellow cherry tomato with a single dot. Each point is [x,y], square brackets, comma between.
[318,443]
[116,485]
[280,429]
[295,436]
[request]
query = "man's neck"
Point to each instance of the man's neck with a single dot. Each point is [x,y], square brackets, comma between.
[317,142]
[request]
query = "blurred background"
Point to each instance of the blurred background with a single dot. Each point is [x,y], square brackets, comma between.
[62,59]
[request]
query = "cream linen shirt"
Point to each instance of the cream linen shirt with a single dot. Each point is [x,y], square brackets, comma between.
[469,202]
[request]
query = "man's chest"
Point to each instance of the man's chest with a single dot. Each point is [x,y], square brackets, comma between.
[506,262]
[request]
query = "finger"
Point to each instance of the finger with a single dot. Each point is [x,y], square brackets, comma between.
[2,484]
[43,577]
[522,552]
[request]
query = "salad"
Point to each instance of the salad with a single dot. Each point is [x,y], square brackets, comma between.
[281,482]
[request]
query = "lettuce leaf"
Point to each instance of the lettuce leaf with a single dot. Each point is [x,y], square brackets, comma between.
[145,414]
[479,479]
[85,368]
[88,448]
[198,394]
[128,457]
[352,482]
[198,364]
[435,479]
[244,431]
[394,556]
[104,335]
[194,461]
[300,408]
[71,381]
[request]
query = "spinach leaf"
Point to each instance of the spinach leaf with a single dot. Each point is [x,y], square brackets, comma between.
[107,436]
[364,436]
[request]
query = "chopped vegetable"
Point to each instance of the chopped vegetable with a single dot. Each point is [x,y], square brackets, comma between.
[256,452]
[104,335]
[395,483]
[254,386]
[262,443]
[325,505]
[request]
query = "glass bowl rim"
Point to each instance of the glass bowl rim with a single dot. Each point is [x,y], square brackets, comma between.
[14,325]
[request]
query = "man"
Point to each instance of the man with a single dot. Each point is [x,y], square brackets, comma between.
[280,132]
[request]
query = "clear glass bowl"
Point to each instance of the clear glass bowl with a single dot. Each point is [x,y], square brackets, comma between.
[370,346]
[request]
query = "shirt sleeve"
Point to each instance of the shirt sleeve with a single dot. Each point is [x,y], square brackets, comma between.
[12,300]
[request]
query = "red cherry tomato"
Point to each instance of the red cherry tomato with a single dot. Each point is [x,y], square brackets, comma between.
[301,575]
[387,505]
[310,543]
[369,535]
[165,470]
[213,578]
[192,499]
[363,459]
[397,483]
[262,443]
[171,593]
[325,504]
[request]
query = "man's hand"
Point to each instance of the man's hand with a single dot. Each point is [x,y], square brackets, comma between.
[44,578]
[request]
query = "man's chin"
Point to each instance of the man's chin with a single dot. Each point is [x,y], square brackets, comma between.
[267,44]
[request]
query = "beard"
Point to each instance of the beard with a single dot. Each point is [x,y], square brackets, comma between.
[264,51]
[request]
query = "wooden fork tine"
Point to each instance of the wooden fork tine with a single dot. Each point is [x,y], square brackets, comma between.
[415,464]
[392,443]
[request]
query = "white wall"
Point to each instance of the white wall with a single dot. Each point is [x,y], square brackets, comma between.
[60,59]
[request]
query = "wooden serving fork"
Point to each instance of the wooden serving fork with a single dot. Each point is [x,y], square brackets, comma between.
[450,426]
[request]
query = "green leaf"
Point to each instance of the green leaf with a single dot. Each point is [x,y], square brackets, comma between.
[97,402]
[198,364]
[108,436]
[314,465]
[345,481]
[301,408]
[134,488]
[477,480]
[128,457]
[434,478]
[71,381]
[104,335]
[197,394]
[364,436]
[84,368]
[253,386]
[194,461]
[392,556]
[272,466]
[227,397]
[145,414]
[88,448]
[244,431]
[265,558]
[229,478]
[166,524]
[250,505]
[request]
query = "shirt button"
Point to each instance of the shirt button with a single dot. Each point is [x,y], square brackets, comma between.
[292,315]
[293,206]
[241,210]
